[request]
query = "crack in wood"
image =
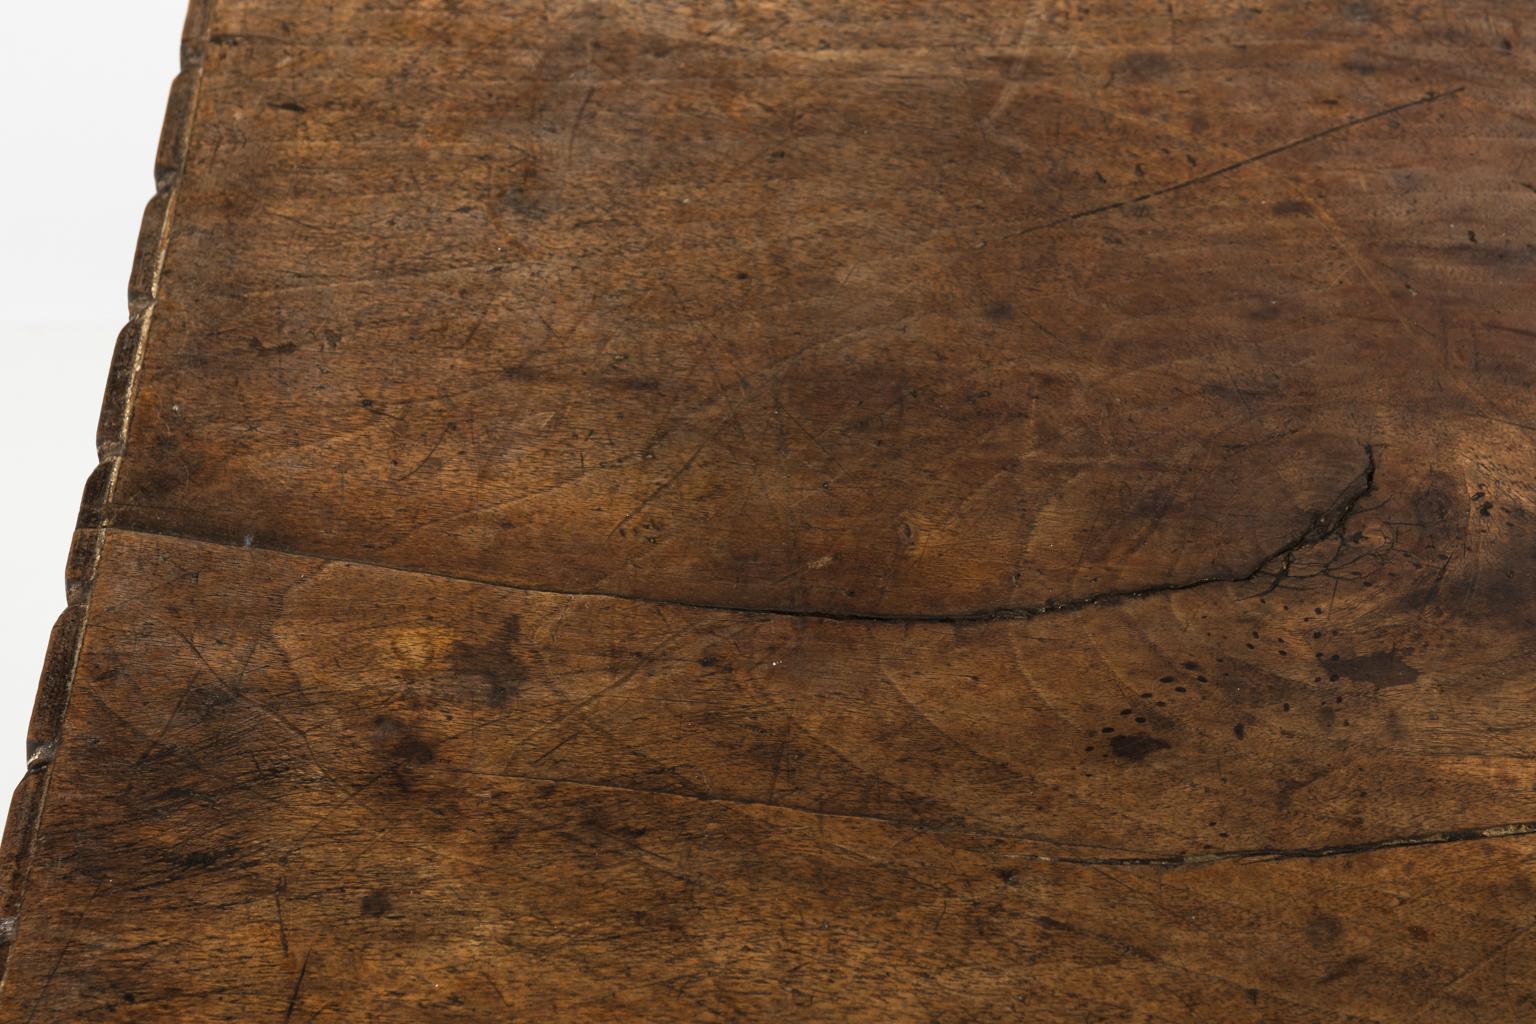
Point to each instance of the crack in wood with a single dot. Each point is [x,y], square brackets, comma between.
[1327,523]
[1268,854]
[1259,854]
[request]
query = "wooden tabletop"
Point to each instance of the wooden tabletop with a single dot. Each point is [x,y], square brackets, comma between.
[808,510]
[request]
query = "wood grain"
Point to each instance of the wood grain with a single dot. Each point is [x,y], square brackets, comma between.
[807,511]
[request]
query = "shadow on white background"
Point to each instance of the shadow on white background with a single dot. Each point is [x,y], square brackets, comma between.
[85,85]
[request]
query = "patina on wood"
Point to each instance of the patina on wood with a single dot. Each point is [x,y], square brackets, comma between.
[808,511]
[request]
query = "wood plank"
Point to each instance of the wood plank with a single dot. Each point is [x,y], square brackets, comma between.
[489,803]
[909,315]
[794,510]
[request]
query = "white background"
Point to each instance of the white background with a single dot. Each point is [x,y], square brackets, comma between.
[85,84]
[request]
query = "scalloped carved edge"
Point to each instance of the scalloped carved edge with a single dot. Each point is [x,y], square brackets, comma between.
[53,688]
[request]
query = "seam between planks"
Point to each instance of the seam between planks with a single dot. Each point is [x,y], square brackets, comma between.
[1274,566]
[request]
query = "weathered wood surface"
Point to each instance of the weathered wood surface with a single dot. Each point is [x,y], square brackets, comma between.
[808,511]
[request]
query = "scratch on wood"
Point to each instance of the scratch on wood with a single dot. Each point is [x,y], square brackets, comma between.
[298,985]
[1236,165]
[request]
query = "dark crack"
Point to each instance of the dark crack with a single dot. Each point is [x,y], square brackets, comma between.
[1328,523]
[941,829]
[1275,565]
[1266,854]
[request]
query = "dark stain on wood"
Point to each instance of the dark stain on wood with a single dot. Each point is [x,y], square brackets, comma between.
[1136,746]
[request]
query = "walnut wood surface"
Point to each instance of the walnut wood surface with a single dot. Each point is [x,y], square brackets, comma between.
[808,511]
